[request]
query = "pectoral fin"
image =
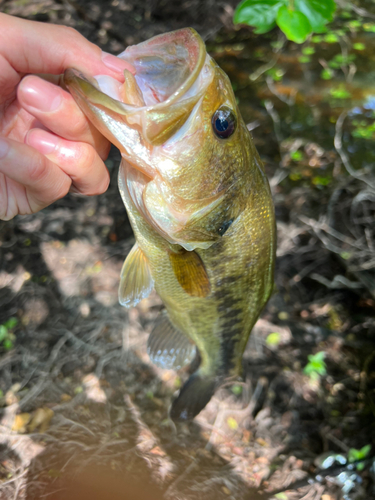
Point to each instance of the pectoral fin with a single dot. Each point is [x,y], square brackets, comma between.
[168,347]
[135,281]
[190,273]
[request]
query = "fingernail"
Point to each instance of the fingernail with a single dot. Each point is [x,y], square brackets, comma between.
[44,142]
[4,148]
[116,64]
[40,94]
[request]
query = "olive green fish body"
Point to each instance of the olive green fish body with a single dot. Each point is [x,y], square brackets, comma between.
[199,204]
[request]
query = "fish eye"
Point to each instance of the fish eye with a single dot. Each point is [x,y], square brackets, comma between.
[224,122]
[224,227]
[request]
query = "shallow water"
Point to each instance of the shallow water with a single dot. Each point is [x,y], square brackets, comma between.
[299,98]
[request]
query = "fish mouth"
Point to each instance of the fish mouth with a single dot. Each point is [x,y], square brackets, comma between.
[158,99]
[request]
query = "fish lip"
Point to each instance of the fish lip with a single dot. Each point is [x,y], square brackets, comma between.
[86,87]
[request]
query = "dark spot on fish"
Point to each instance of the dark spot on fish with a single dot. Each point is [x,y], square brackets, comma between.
[226,304]
[229,325]
[224,227]
[220,294]
[233,313]
[229,279]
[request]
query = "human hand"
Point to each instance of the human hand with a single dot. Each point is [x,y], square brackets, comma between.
[47,145]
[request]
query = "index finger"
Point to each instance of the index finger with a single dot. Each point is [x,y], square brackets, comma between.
[34,47]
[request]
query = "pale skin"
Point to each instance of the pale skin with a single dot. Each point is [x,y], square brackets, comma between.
[47,145]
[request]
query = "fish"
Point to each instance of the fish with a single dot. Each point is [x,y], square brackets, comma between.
[199,204]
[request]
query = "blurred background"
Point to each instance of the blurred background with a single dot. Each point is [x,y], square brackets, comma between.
[78,396]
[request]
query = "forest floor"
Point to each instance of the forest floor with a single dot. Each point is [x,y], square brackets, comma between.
[84,414]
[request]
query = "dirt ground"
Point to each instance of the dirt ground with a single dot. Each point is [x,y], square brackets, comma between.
[83,412]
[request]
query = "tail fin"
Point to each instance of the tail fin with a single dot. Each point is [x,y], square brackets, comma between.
[193,397]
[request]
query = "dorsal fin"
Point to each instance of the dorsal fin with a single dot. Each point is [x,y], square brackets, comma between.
[190,272]
[168,347]
[136,281]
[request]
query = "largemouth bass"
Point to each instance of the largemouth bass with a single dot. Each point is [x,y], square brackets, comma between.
[198,201]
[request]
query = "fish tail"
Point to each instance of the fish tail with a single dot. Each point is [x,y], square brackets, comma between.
[193,396]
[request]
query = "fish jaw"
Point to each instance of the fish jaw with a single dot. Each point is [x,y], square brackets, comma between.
[168,96]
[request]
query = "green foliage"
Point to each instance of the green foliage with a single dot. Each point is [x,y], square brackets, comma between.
[308,51]
[296,18]
[369,27]
[232,423]
[340,60]
[340,92]
[354,455]
[237,389]
[304,59]
[321,181]
[296,155]
[316,366]
[276,74]
[273,339]
[326,74]
[359,46]
[281,496]
[363,130]
[7,337]
[294,24]
[331,38]
[345,255]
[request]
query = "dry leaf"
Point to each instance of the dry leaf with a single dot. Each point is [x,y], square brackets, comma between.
[20,422]
[41,419]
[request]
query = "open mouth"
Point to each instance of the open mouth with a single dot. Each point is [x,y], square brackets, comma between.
[167,84]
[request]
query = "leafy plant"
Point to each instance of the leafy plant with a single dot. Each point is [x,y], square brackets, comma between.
[316,366]
[7,337]
[296,18]
[355,455]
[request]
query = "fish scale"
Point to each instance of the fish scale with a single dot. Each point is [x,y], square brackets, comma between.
[199,204]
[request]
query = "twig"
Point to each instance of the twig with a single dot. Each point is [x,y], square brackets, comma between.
[344,157]
[270,64]
[290,101]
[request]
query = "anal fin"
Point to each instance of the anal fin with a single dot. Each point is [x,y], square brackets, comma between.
[190,272]
[136,281]
[167,347]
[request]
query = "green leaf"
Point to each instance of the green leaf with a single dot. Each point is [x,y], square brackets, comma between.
[304,59]
[354,454]
[316,365]
[308,51]
[340,92]
[8,344]
[281,496]
[273,339]
[318,12]
[232,423]
[331,38]
[296,155]
[359,46]
[258,13]
[326,74]
[365,450]
[294,24]
[11,323]
[316,39]
[237,389]
[3,332]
